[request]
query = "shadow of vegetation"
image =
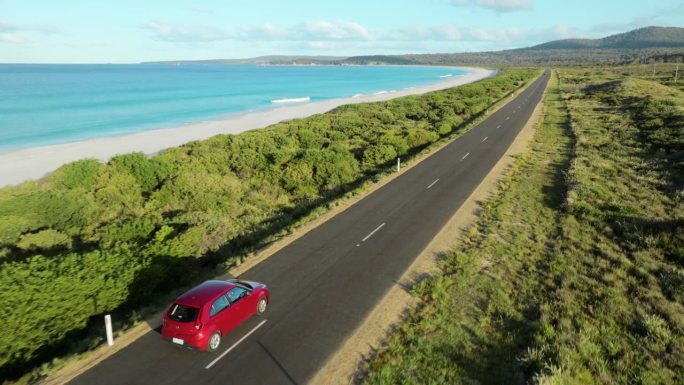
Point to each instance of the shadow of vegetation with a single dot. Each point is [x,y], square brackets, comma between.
[556,192]
[643,233]
[498,361]
[609,87]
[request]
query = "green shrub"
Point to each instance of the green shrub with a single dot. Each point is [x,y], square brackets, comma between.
[147,172]
[49,297]
[11,228]
[82,173]
[46,239]
[419,137]
[376,155]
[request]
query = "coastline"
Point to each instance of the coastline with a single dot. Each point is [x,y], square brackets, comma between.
[36,162]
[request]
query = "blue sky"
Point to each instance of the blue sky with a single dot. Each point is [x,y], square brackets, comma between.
[130,31]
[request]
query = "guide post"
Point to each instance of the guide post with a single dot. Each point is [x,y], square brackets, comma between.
[108,328]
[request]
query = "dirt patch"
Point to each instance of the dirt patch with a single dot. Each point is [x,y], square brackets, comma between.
[344,366]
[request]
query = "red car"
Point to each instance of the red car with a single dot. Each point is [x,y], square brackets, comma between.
[202,316]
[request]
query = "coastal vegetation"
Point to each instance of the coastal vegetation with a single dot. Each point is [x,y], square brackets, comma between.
[94,238]
[574,272]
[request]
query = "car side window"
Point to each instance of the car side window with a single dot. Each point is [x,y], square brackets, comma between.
[218,305]
[236,293]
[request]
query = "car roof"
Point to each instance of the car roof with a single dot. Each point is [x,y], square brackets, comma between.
[205,292]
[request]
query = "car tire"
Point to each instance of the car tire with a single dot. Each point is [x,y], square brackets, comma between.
[214,342]
[261,306]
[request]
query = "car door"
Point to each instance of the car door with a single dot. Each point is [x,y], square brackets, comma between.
[219,314]
[240,307]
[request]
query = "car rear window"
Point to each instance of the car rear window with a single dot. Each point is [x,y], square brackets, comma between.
[182,313]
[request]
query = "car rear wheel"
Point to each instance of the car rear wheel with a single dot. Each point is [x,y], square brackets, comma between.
[261,306]
[214,342]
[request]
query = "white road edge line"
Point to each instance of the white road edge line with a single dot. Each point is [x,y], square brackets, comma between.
[433,183]
[235,344]
[465,156]
[485,138]
[373,232]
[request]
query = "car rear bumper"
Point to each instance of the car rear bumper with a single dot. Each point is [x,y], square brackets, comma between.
[197,341]
[185,344]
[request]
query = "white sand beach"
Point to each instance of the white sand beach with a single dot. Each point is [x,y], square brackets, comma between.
[33,163]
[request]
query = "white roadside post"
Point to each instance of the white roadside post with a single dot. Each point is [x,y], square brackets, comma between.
[108,328]
[398,164]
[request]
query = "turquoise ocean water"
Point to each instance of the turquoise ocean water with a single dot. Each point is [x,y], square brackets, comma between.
[49,104]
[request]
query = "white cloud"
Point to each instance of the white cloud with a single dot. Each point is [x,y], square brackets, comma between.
[496,5]
[11,38]
[656,16]
[6,26]
[321,45]
[17,33]
[316,30]
[347,37]
[501,34]
[326,30]
[448,33]
[263,32]
[186,33]
[316,33]
[441,33]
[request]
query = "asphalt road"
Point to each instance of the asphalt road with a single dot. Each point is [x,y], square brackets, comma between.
[324,284]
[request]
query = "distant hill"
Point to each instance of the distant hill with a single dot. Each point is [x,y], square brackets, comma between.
[648,37]
[639,45]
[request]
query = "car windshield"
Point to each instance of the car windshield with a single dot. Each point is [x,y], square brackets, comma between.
[182,313]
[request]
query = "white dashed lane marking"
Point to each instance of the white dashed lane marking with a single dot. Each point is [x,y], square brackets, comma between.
[235,344]
[372,232]
[433,183]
